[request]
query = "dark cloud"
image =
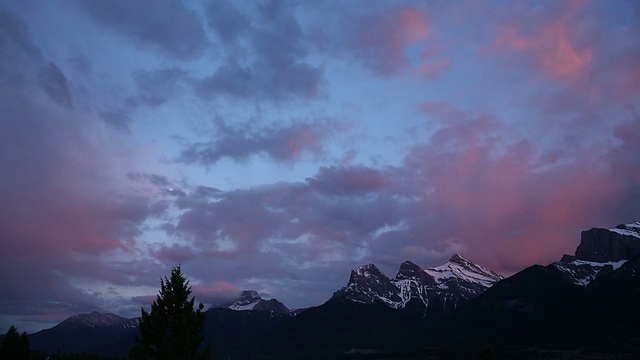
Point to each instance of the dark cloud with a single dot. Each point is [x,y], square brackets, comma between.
[352,180]
[262,80]
[266,55]
[174,254]
[42,296]
[119,120]
[381,40]
[156,87]
[226,20]
[154,179]
[15,35]
[280,142]
[54,84]
[167,24]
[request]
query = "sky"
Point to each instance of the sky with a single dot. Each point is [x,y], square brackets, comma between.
[276,145]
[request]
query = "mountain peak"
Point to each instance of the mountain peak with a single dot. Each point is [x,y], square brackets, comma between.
[411,271]
[366,271]
[250,295]
[457,258]
[459,269]
[408,267]
[251,300]
[367,284]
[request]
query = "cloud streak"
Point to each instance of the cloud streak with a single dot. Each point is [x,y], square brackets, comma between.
[166,25]
[281,143]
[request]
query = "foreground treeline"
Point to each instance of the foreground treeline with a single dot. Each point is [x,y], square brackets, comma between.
[173,329]
[15,346]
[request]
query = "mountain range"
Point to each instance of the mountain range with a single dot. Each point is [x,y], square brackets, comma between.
[584,302]
[456,281]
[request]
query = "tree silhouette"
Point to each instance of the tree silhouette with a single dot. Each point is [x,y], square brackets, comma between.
[14,345]
[173,328]
[486,354]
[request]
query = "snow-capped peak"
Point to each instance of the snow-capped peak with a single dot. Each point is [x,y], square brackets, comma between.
[464,269]
[247,300]
[631,229]
[368,270]
[251,300]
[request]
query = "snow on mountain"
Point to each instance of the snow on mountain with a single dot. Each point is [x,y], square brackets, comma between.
[247,301]
[582,272]
[460,268]
[457,280]
[251,300]
[98,320]
[632,229]
[601,251]
[368,284]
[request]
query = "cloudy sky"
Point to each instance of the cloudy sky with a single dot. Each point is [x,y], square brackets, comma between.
[275,145]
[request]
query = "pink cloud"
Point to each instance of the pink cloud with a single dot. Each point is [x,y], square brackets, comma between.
[413,25]
[552,47]
[430,69]
[215,292]
[487,182]
[623,84]
[386,44]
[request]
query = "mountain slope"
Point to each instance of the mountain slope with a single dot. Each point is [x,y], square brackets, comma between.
[233,332]
[588,298]
[106,334]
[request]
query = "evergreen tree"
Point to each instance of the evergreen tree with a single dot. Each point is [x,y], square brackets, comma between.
[14,346]
[173,328]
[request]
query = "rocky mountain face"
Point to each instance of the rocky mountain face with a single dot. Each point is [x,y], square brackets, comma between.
[448,285]
[600,252]
[251,300]
[602,245]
